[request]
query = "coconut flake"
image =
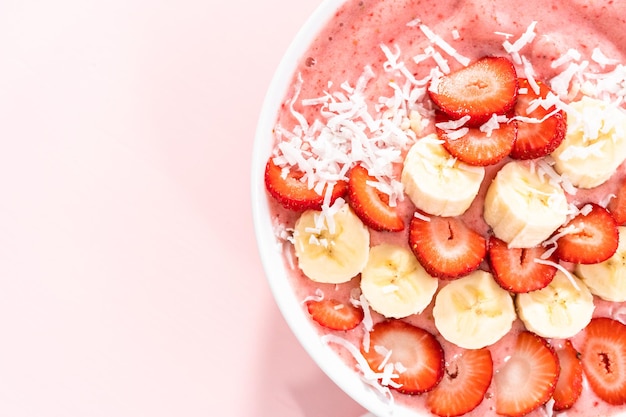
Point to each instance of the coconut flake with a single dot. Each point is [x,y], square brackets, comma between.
[318,296]
[599,57]
[567,57]
[561,268]
[443,45]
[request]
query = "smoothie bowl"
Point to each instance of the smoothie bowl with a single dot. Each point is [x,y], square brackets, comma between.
[439,203]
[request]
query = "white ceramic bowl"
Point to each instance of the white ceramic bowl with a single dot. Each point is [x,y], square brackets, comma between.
[272,257]
[330,363]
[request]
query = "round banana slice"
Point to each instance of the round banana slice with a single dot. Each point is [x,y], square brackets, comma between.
[607,279]
[331,251]
[394,283]
[560,310]
[436,182]
[524,207]
[474,311]
[595,142]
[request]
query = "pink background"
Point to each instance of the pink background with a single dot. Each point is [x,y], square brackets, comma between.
[130,284]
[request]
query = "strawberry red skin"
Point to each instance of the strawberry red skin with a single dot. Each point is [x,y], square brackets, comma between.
[617,205]
[464,384]
[415,348]
[535,140]
[486,86]
[294,194]
[528,379]
[370,204]
[596,242]
[477,147]
[515,269]
[570,383]
[603,357]
[446,247]
[334,314]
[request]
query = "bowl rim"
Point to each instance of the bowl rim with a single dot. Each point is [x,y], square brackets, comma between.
[345,377]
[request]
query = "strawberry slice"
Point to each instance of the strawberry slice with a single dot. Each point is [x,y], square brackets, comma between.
[535,140]
[485,87]
[415,354]
[527,380]
[334,314]
[570,383]
[370,204]
[593,238]
[516,270]
[603,356]
[445,246]
[478,147]
[617,205]
[464,384]
[294,194]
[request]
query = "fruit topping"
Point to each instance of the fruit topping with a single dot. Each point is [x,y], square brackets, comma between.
[292,193]
[464,384]
[590,237]
[560,310]
[331,249]
[528,378]
[445,246]
[607,279]
[334,314]
[523,206]
[570,383]
[394,283]
[595,142]
[485,87]
[603,356]
[474,311]
[477,146]
[617,204]
[541,126]
[414,355]
[436,182]
[370,204]
[520,270]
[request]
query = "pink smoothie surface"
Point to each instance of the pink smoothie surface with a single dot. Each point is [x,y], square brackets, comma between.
[357,37]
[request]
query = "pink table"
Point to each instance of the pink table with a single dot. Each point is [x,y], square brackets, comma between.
[130,283]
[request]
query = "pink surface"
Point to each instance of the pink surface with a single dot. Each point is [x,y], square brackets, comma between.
[130,284]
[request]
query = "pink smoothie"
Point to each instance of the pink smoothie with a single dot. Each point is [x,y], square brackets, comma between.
[391,41]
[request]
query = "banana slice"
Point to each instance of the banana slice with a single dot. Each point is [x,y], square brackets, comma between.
[607,279]
[394,283]
[474,311]
[523,206]
[436,182]
[560,310]
[595,142]
[331,252]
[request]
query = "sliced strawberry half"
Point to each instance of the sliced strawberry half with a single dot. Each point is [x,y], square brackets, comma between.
[464,384]
[334,314]
[294,194]
[603,356]
[527,380]
[535,140]
[415,354]
[485,87]
[593,238]
[445,246]
[370,204]
[478,147]
[617,205]
[516,269]
[570,383]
